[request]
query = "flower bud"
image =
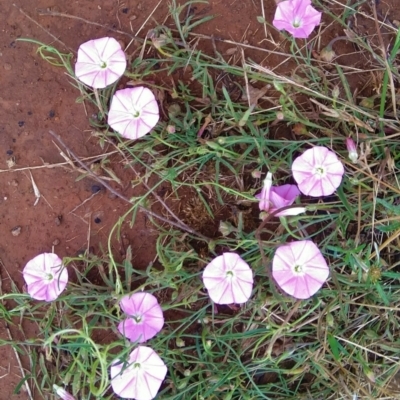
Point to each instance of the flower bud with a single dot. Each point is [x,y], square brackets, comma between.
[367,102]
[171,129]
[335,92]
[299,129]
[225,228]
[327,54]
[351,148]
[63,394]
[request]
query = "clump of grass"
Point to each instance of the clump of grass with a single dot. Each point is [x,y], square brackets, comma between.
[343,342]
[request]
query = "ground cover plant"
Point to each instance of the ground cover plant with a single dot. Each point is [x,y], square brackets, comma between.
[278,278]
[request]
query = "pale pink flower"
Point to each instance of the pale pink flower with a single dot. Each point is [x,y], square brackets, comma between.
[317,172]
[272,198]
[62,393]
[228,279]
[45,276]
[140,377]
[351,148]
[133,112]
[299,268]
[100,62]
[145,317]
[297,17]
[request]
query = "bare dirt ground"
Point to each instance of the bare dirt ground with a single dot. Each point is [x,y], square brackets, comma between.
[36,97]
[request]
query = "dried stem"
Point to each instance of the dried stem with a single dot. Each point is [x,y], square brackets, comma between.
[179,225]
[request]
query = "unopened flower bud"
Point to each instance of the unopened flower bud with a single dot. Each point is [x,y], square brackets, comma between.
[171,129]
[351,148]
[335,92]
[367,102]
[225,228]
[327,54]
[256,174]
[63,394]
[299,129]
[180,342]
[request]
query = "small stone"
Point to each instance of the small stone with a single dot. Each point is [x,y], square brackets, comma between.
[10,162]
[9,152]
[125,10]
[133,17]
[7,66]
[16,231]
[57,220]
[21,123]
[56,242]
[97,220]
[14,182]
[52,114]
[95,188]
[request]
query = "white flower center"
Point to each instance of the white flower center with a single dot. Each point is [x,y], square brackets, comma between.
[299,270]
[297,22]
[135,112]
[137,318]
[319,172]
[48,277]
[230,274]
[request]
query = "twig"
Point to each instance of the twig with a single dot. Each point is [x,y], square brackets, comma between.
[84,202]
[35,189]
[28,389]
[62,164]
[179,225]
[42,27]
[59,14]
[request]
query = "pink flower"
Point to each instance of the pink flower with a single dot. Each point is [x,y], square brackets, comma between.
[133,112]
[100,62]
[145,317]
[45,276]
[62,393]
[228,279]
[299,269]
[140,377]
[318,172]
[298,17]
[272,198]
[351,148]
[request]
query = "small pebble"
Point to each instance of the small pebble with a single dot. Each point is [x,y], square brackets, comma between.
[9,152]
[57,220]
[56,242]
[97,220]
[125,10]
[29,113]
[96,188]
[14,182]
[21,123]
[16,231]
[52,114]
